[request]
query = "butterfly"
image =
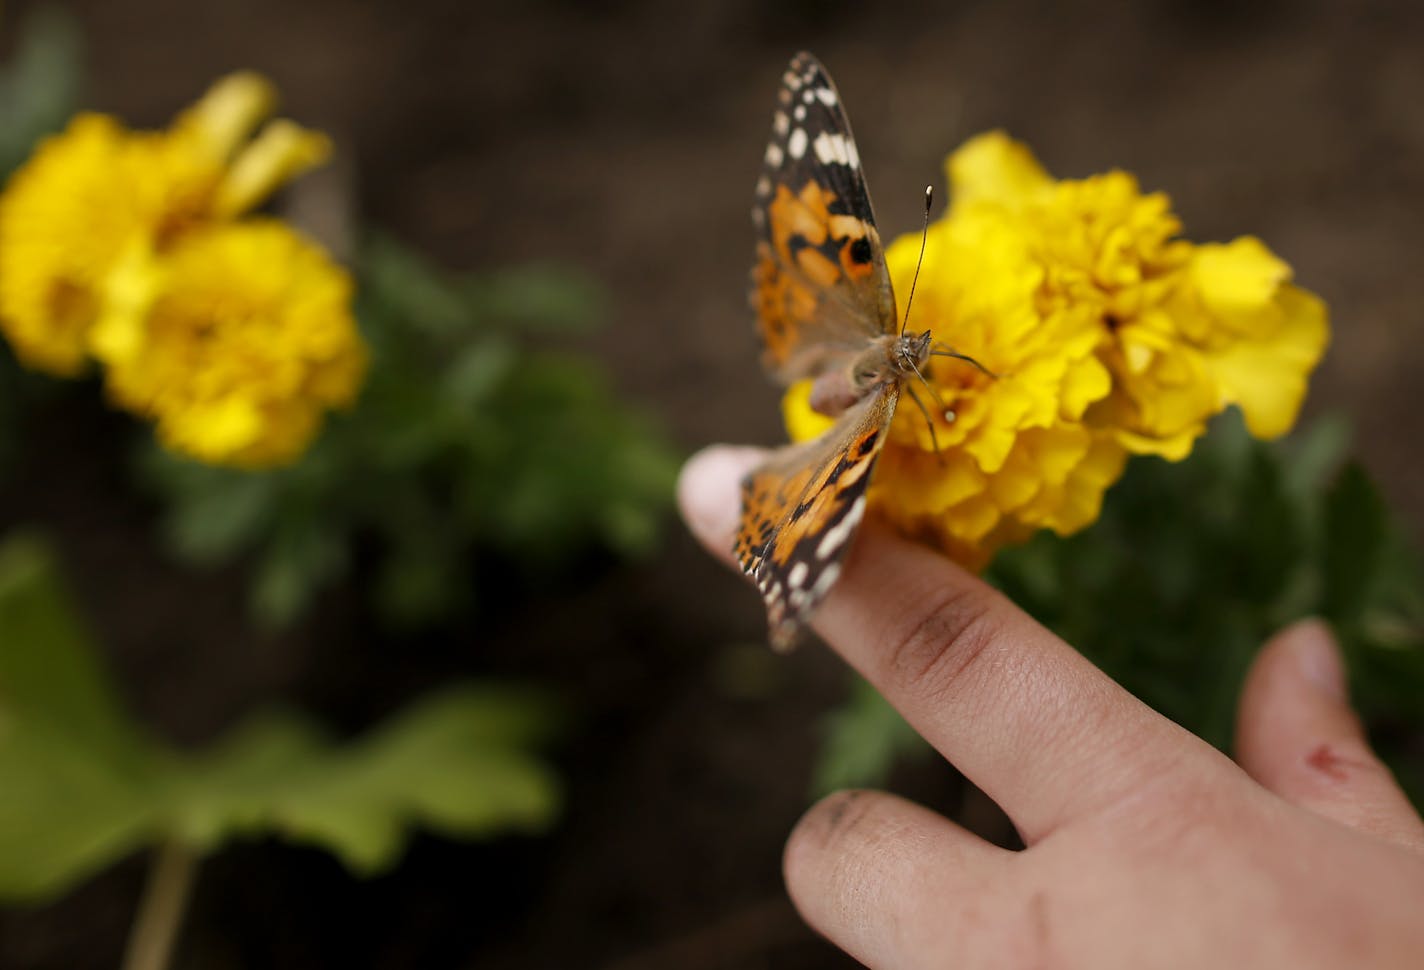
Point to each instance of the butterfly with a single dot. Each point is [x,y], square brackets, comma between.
[825,311]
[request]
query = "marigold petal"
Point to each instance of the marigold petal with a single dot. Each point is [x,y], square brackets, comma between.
[1238,278]
[1084,383]
[229,111]
[1267,378]
[802,422]
[922,483]
[973,519]
[282,151]
[994,168]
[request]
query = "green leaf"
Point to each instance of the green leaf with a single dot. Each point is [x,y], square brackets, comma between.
[298,561]
[81,785]
[405,287]
[1315,453]
[863,739]
[456,764]
[540,298]
[72,767]
[223,518]
[47,667]
[1355,544]
[39,86]
[477,372]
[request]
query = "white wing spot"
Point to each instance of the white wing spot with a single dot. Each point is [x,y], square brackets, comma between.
[826,580]
[831,148]
[797,577]
[797,143]
[774,154]
[809,95]
[763,186]
[827,96]
[780,124]
[800,112]
[836,536]
[792,80]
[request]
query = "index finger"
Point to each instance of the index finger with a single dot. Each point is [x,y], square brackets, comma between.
[1021,713]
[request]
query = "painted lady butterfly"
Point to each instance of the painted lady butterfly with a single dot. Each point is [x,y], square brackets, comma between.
[825,311]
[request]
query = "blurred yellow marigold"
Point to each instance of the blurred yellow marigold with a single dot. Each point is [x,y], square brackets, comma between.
[248,341]
[108,236]
[1107,333]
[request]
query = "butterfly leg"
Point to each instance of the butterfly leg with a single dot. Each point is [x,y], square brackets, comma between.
[934,438]
[945,350]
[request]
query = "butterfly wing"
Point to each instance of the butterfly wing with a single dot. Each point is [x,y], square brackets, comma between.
[801,508]
[819,285]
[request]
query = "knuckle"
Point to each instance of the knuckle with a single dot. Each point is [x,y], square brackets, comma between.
[944,648]
[1171,801]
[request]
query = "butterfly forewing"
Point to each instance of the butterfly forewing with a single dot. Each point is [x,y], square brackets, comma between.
[823,298]
[819,284]
[801,508]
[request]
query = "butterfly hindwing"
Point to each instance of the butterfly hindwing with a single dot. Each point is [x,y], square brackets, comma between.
[819,285]
[801,508]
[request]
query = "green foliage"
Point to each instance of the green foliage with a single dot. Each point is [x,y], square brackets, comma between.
[863,739]
[81,785]
[1192,566]
[467,440]
[39,84]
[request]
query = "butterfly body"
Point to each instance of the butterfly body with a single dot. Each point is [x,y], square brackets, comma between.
[887,358]
[825,313]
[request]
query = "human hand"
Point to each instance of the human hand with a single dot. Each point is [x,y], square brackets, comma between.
[1146,847]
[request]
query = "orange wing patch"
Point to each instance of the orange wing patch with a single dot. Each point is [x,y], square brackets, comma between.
[800,509]
[810,281]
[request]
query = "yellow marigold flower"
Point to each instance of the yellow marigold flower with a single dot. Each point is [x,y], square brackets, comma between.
[83,220]
[248,341]
[1107,333]
[1015,454]
[1187,330]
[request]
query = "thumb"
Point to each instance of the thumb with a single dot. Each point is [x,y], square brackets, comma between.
[1297,735]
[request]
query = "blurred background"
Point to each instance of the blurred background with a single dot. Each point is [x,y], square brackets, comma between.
[621,140]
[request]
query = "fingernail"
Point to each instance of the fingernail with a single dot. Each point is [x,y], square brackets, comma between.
[1317,657]
[709,491]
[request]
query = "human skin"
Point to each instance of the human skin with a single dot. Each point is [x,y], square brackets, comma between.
[1145,847]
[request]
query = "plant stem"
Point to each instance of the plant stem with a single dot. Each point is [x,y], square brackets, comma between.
[160,911]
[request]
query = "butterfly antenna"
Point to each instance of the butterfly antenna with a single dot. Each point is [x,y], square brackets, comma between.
[924,235]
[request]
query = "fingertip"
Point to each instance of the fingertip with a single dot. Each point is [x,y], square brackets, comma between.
[866,868]
[1298,736]
[1300,669]
[709,493]
[1316,655]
